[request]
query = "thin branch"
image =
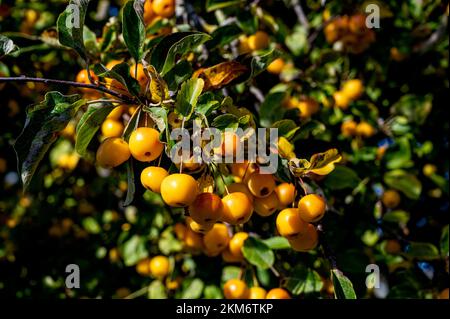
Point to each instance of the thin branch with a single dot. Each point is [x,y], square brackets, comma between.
[70,83]
[327,251]
[300,13]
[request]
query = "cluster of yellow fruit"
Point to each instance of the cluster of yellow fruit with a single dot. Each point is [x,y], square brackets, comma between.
[258,41]
[363,129]
[144,145]
[238,289]
[350,91]
[158,9]
[158,267]
[351,31]
[306,106]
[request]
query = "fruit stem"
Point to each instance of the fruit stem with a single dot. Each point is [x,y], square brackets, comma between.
[221,177]
[70,83]
[182,131]
[254,279]
[302,184]
[275,272]
[327,251]
[138,293]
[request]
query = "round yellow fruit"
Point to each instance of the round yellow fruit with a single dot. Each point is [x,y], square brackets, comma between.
[289,224]
[160,266]
[391,198]
[179,190]
[207,208]
[306,241]
[258,41]
[217,239]
[164,8]
[311,208]
[241,188]
[112,152]
[285,194]
[266,206]
[235,289]
[112,128]
[261,185]
[236,244]
[353,89]
[257,293]
[197,227]
[341,100]
[237,208]
[278,293]
[276,66]
[145,145]
[152,177]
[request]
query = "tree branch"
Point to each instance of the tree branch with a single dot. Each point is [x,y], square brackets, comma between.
[69,83]
[327,251]
[300,13]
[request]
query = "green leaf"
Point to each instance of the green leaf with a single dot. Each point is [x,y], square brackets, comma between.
[396,216]
[44,121]
[212,5]
[303,280]
[399,156]
[343,287]
[271,109]
[121,73]
[229,272]
[341,178]
[286,128]
[206,104]
[193,290]
[89,124]
[168,244]
[70,26]
[212,292]
[133,27]
[444,242]
[179,73]
[173,46]
[414,108]
[297,41]
[188,96]
[156,290]
[224,35]
[247,21]
[91,225]
[421,251]
[277,242]
[259,63]
[405,182]
[133,250]
[90,41]
[131,189]
[258,253]
[7,46]
[132,125]
[224,121]
[159,116]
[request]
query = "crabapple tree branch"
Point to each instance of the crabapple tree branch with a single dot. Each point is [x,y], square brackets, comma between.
[69,83]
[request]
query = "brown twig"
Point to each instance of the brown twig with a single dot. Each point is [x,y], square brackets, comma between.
[70,83]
